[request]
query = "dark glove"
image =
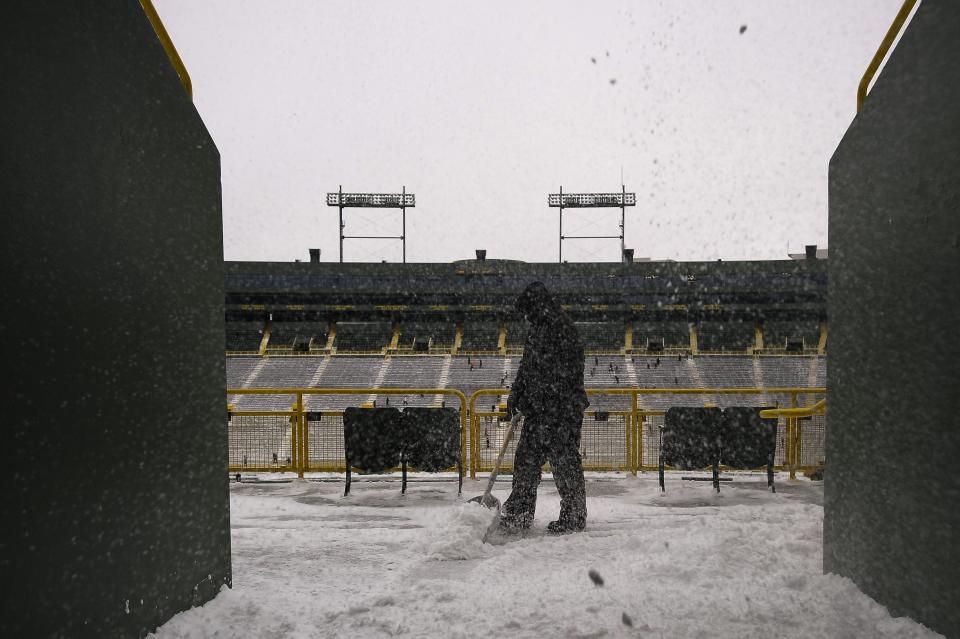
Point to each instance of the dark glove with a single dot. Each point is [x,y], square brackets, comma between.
[511,406]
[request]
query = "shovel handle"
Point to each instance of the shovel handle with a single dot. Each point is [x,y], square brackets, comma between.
[503,451]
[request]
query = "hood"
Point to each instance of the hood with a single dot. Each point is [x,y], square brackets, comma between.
[536,303]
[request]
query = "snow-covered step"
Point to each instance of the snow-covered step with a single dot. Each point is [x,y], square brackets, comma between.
[632,377]
[758,377]
[444,379]
[372,397]
[694,370]
[315,380]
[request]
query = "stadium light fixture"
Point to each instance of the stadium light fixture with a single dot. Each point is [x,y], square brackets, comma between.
[401,201]
[619,200]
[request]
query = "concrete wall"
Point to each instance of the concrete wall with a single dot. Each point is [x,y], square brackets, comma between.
[892,488]
[115,508]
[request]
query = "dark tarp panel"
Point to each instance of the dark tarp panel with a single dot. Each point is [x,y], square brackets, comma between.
[691,437]
[372,438]
[747,441]
[432,438]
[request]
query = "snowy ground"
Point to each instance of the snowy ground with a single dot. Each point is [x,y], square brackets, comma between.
[308,562]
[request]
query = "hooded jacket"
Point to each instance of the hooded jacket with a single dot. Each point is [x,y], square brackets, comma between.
[549,382]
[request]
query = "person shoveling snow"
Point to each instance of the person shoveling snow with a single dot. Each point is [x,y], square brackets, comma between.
[548,391]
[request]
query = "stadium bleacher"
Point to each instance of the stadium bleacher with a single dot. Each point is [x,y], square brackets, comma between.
[311,335]
[776,332]
[675,334]
[480,336]
[345,372]
[427,336]
[412,372]
[725,336]
[239,368]
[486,372]
[604,371]
[785,371]
[362,337]
[723,371]
[667,371]
[279,372]
[243,337]
[600,371]
[516,334]
[601,336]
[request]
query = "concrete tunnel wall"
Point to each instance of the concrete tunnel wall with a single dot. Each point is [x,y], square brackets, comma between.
[891,494]
[116,504]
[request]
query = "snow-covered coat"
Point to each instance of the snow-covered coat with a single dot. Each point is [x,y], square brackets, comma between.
[549,383]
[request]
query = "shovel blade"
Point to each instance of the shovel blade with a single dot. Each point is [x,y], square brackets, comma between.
[491,501]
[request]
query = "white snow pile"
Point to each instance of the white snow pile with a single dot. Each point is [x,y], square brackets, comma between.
[308,562]
[459,534]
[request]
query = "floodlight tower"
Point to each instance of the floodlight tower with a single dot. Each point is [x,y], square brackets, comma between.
[377,201]
[593,200]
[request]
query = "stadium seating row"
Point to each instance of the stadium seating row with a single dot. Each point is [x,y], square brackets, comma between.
[470,373]
[437,337]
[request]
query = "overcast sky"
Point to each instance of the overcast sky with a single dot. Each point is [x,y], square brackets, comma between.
[721,116]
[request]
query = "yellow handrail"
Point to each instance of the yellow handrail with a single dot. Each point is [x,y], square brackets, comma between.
[805,411]
[881,53]
[167,43]
[633,424]
[300,446]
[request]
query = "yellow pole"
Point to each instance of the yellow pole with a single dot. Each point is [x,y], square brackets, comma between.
[167,44]
[294,439]
[299,426]
[637,448]
[881,53]
[640,425]
[464,458]
[474,438]
[791,435]
[304,446]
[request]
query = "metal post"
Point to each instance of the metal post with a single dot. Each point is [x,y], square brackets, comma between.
[623,219]
[791,437]
[304,446]
[403,212]
[301,439]
[561,225]
[294,440]
[340,204]
[638,431]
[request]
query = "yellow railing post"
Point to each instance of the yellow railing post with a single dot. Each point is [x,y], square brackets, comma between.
[474,435]
[628,437]
[167,44]
[474,427]
[470,418]
[304,446]
[637,448]
[294,439]
[641,418]
[882,50]
[791,437]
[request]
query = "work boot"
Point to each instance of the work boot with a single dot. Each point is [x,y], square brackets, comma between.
[562,527]
[514,524]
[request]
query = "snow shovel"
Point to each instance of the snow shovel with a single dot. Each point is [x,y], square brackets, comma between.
[488,499]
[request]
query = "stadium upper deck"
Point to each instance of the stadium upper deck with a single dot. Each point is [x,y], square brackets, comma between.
[467,306]
[590,291]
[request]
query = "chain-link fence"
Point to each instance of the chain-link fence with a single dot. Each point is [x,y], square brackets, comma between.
[300,440]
